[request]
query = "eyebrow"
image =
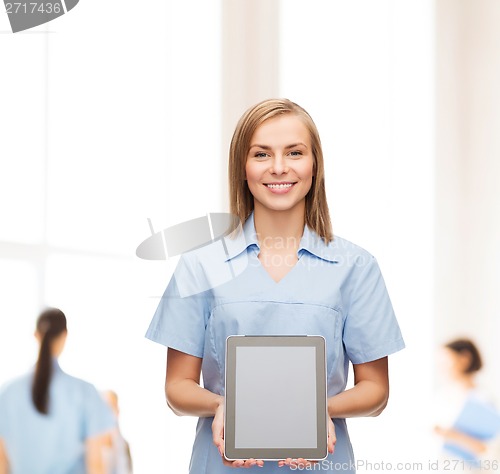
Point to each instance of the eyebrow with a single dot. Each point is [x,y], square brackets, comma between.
[266,147]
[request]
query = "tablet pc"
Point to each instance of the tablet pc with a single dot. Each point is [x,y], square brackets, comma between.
[275,398]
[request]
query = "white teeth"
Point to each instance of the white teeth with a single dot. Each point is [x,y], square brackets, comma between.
[279,186]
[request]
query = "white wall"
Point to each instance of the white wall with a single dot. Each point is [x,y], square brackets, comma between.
[467,299]
[97,119]
[365,72]
[98,113]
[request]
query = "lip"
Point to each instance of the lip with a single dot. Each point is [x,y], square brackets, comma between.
[280,190]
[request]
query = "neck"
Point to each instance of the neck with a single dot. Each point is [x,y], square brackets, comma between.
[466,381]
[270,224]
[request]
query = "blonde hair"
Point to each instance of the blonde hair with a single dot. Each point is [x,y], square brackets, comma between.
[317,216]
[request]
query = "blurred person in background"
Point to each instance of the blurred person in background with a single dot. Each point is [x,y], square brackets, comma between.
[51,422]
[117,450]
[468,422]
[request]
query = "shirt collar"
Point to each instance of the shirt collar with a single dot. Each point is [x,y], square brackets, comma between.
[55,365]
[315,245]
[247,236]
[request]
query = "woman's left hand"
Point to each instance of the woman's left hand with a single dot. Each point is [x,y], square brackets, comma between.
[302,463]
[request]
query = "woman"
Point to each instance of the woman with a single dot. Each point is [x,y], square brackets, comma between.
[50,422]
[289,275]
[467,418]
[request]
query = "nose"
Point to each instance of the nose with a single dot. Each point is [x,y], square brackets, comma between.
[279,165]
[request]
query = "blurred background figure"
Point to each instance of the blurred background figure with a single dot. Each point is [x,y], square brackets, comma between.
[117,455]
[467,420]
[51,422]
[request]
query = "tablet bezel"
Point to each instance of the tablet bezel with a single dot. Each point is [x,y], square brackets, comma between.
[318,453]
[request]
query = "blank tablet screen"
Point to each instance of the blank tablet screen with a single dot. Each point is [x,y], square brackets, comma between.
[266,379]
[275,397]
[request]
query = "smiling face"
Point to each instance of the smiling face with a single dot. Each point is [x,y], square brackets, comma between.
[279,165]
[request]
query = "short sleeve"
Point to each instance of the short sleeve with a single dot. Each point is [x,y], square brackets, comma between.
[98,416]
[371,330]
[180,318]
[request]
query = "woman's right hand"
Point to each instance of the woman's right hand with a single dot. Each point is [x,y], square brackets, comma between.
[218,439]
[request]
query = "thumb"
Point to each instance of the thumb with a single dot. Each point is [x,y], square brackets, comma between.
[218,432]
[332,438]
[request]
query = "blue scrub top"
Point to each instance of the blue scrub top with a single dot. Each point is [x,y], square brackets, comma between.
[222,289]
[53,443]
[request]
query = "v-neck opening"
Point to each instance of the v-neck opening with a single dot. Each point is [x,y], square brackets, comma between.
[285,276]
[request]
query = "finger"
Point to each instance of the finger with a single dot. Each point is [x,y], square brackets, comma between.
[237,463]
[332,437]
[249,463]
[218,434]
[226,462]
[331,446]
[301,462]
[242,463]
[219,443]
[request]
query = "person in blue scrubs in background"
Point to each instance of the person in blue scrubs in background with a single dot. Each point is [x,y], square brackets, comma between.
[468,420]
[282,271]
[51,422]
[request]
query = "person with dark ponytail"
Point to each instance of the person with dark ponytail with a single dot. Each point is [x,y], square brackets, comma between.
[51,422]
[51,334]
